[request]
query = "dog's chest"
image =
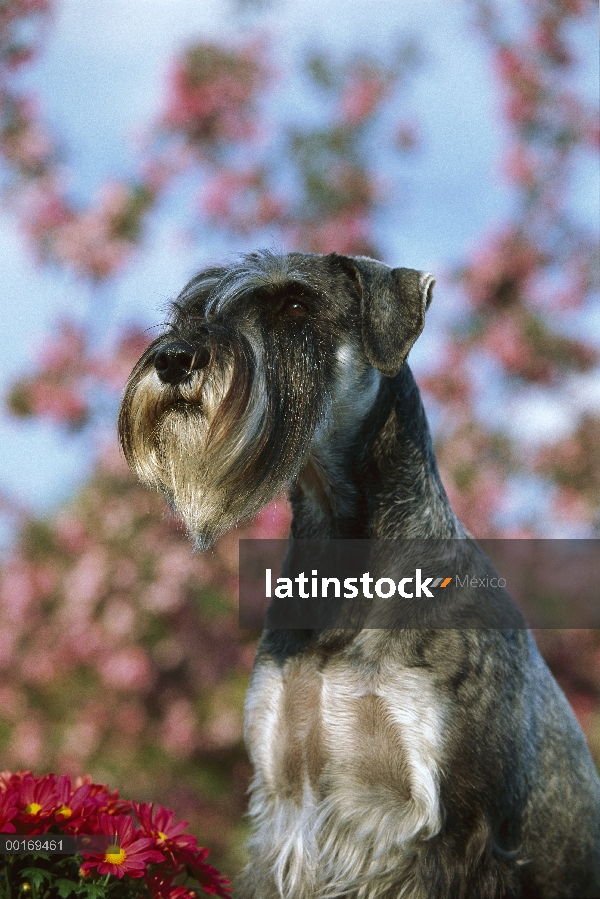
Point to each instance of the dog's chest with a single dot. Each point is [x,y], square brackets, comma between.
[334,739]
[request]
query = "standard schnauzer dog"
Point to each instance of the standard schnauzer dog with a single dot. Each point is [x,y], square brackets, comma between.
[429,763]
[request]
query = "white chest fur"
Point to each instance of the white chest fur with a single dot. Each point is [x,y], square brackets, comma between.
[346,768]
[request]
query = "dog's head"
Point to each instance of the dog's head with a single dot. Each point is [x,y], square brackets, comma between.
[260,361]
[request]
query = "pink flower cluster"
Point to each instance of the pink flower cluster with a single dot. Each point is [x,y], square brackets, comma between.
[573,464]
[362,96]
[18,44]
[106,603]
[157,849]
[69,376]
[524,275]
[57,390]
[242,200]
[350,231]
[501,269]
[474,470]
[94,243]
[212,93]
[117,643]
[25,142]
[531,72]
[212,126]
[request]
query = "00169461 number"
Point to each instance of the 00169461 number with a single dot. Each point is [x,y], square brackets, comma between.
[59,844]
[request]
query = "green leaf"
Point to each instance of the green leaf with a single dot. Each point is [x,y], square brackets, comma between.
[36,876]
[92,891]
[64,887]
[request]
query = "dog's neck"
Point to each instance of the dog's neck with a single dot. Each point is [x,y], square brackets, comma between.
[384,482]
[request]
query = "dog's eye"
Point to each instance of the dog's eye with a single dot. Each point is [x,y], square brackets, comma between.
[295,309]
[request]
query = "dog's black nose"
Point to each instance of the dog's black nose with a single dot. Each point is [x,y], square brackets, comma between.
[175,361]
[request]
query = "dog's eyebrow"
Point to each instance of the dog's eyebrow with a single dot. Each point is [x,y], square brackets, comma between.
[285,292]
[195,295]
[255,286]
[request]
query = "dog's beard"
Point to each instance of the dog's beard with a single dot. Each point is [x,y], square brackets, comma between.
[219,445]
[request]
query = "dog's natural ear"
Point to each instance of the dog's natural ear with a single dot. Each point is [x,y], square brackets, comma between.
[393,304]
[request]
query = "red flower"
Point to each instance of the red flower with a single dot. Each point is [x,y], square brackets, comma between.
[106,801]
[160,824]
[208,877]
[159,883]
[130,857]
[36,804]
[75,805]
[183,851]
[37,800]
[8,810]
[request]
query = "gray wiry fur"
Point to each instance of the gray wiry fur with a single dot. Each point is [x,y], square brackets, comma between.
[389,763]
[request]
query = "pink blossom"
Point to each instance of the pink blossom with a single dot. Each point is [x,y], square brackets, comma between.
[41,667]
[361,98]
[501,268]
[241,201]
[84,582]
[119,618]
[547,38]
[57,401]
[131,719]
[212,91]
[43,209]
[11,700]
[70,533]
[27,742]
[349,232]
[521,167]
[32,148]
[8,645]
[179,729]
[163,596]
[571,506]
[114,369]
[87,246]
[128,669]
[506,341]
[125,574]
[81,739]
[18,589]
[65,349]
[450,382]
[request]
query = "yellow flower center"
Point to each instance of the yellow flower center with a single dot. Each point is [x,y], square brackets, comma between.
[161,835]
[33,808]
[65,812]
[114,856]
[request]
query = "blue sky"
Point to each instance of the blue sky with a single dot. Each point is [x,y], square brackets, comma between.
[101,78]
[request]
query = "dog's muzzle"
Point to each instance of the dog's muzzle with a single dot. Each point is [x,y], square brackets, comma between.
[176,361]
